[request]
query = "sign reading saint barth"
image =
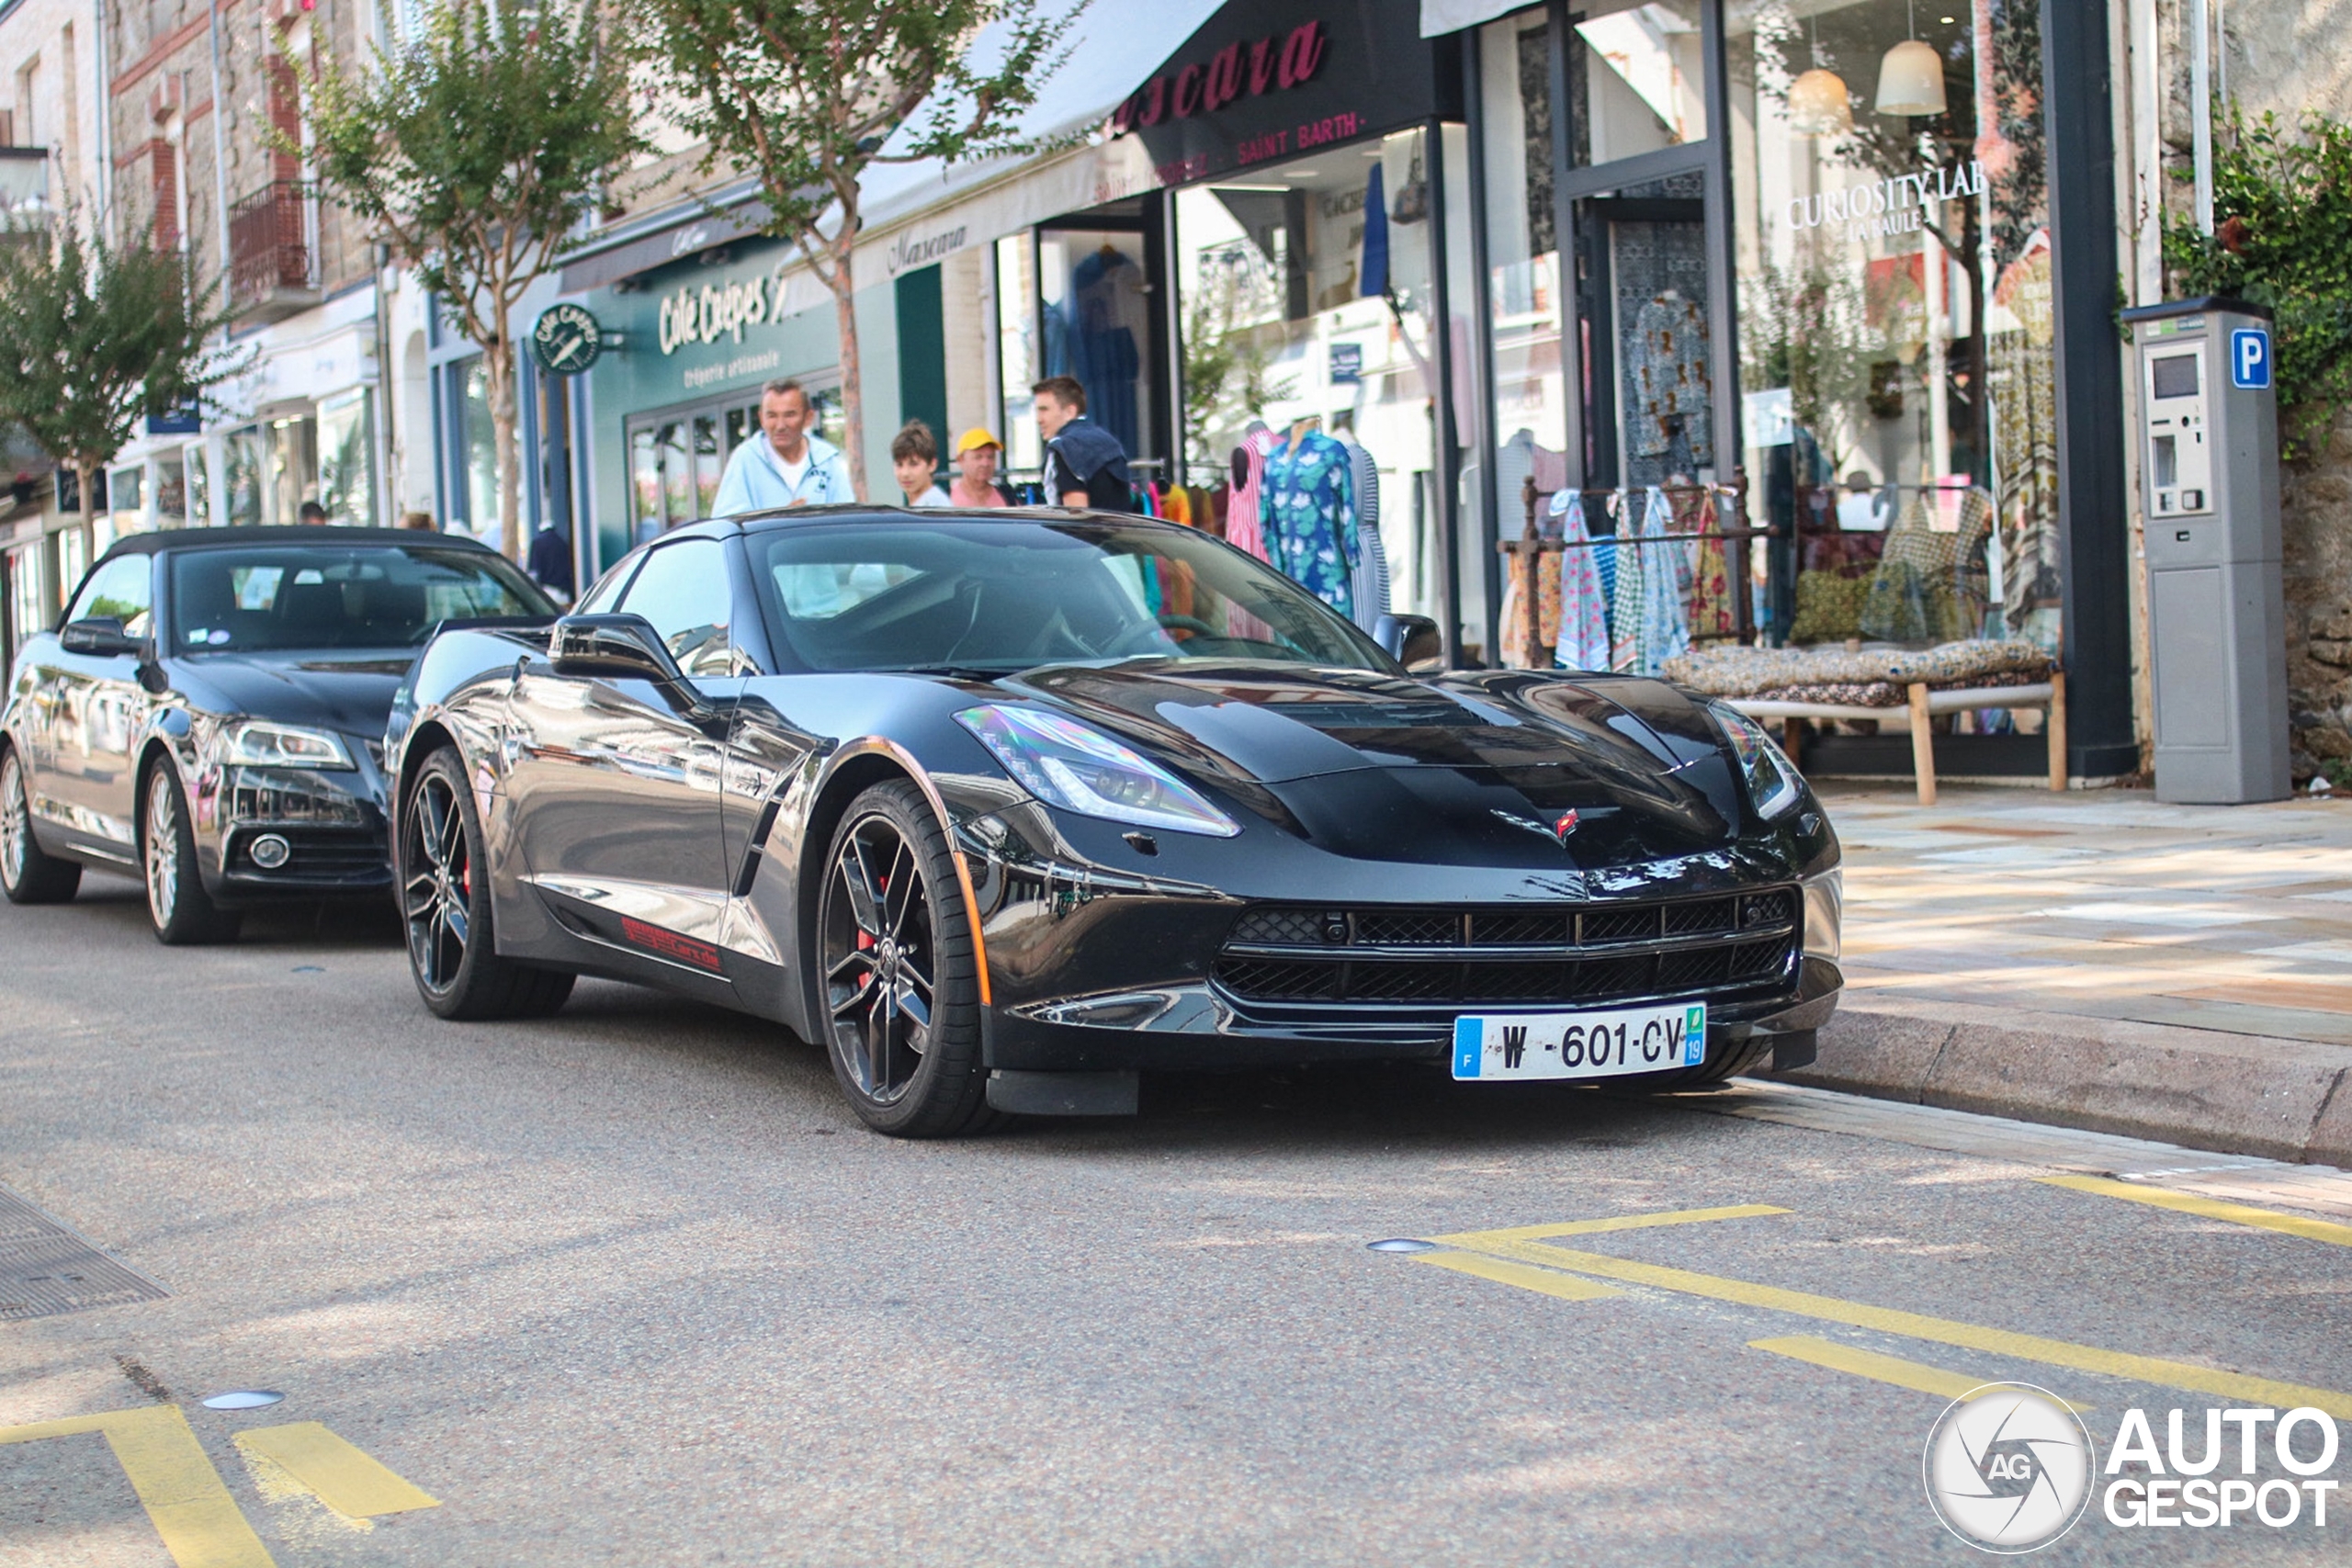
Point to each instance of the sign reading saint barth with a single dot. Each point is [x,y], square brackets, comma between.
[1259,83]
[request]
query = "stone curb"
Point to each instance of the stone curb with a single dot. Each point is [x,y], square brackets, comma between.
[2288,1100]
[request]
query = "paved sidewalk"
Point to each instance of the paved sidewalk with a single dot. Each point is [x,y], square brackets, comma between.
[2102,960]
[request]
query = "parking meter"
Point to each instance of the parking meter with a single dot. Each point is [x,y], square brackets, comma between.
[2209,482]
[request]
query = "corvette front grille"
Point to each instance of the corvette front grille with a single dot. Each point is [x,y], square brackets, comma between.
[1583,956]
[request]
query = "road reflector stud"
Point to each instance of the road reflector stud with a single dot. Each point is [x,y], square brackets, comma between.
[340,1474]
[244,1399]
[1402,1244]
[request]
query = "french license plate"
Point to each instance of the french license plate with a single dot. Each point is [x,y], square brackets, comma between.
[1599,1044]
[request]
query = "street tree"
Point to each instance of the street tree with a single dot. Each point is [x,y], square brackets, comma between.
[473,151]
[93,339]
[809,98]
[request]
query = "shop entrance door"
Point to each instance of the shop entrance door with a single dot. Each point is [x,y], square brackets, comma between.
[1648,390]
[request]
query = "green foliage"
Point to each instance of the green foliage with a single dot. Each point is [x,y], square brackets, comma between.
[2282,210]
[474,151]
[93,339]
[807,97]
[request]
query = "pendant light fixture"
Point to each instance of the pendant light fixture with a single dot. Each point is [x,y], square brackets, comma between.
[1911,77]
[1818,104]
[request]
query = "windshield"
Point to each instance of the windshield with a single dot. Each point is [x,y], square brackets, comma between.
[1000,596]
[328,596]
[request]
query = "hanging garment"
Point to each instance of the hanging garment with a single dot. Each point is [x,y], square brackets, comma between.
[1581,639]
[1370,582]
[1307,511]
[1669,367]
[1111,316]
[1514,629]
[1650,615]
[1242,525]
[1931,586]
[1710,611]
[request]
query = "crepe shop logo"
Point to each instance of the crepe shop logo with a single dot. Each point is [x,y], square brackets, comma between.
[1279,61]
[2181,1487]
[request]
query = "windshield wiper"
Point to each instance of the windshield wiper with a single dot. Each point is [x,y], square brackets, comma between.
[958,671]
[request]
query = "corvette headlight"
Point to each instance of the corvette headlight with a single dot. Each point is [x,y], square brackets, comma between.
[253,744]
[1068,764]
[1773,786]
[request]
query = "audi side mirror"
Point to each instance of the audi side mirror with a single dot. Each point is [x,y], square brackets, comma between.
[1413,641]
[620,648]
[100,635]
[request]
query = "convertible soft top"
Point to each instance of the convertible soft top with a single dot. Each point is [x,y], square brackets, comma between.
[286,534]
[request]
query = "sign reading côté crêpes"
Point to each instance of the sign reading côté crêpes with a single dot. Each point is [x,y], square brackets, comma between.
[1896,205]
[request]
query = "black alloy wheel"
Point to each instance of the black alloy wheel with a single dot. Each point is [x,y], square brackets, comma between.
[29,873]
[445,905]
[900,983]
[183,914]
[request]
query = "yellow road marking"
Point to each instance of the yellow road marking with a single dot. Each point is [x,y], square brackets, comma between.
[343,1476]
[1550,1281]
[2211,1208]
[192,1511]
[1615,1222]
[1918,1325]
[1882,1369]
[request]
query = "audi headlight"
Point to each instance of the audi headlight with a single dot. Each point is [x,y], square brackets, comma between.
[1825,910]
[1773,786]
[1068,764]
[252,743]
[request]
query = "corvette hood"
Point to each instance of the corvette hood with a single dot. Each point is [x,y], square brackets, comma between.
[1482,758]
[350,692]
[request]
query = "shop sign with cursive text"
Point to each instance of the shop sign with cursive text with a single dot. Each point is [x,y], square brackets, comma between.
[1258,82]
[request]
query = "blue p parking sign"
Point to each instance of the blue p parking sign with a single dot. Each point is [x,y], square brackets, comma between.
[2250,358]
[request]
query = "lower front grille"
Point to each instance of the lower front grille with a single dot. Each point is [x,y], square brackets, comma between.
[1588,955]
[318,855]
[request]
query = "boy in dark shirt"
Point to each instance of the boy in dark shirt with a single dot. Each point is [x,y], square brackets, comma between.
[1085,465]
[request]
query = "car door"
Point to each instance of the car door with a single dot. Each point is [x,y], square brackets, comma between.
[615,787]
[96,714]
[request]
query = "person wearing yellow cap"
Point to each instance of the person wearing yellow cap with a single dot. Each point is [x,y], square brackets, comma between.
[977,454]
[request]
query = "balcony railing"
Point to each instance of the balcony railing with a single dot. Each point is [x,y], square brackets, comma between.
[271,269]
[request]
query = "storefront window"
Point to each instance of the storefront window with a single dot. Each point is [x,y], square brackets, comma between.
[478,444]
[1898,402]
[1635,78]
[241,475]
[127,504]
[1307,294]
[197,465]
[1523,243]
[1017,357]
[1096,312]
[347,460]
[171,491]
[292,477]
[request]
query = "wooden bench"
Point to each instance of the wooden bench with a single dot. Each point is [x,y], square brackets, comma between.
[2047,696]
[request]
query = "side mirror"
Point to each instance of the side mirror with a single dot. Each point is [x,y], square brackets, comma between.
[101,635]
[1413,641]
[620,648]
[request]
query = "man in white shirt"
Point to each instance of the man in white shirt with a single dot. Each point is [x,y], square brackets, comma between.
[788,466]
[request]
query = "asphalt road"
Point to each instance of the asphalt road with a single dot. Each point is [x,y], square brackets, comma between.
[630,1286]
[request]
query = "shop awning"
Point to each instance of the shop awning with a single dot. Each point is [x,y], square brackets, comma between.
[1116,47]
[1441,16]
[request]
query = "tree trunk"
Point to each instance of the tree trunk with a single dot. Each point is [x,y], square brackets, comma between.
[498,362]
[844,287]
[86,473]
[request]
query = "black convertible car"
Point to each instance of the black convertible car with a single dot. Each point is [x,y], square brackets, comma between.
[209,714]
[1008,807]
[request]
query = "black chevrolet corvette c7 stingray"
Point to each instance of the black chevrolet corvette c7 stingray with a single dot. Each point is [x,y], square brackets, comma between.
[1008,808]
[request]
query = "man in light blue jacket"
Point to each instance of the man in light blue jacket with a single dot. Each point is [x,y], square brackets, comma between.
[788,466]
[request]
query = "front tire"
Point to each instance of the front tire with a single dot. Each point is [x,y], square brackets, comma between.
[898,978]
[445,905]
[29,873]
[184,914]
